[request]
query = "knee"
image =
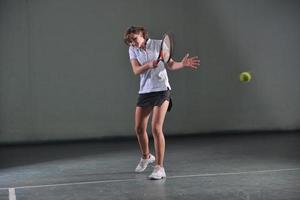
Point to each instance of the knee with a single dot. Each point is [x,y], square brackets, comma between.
[139,130]
[156,129]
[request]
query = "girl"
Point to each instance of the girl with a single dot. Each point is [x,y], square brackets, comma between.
[154,94]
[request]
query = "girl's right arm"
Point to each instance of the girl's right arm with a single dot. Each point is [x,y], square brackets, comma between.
[137,68]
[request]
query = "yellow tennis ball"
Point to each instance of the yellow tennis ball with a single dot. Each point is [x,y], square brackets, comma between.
[245,77]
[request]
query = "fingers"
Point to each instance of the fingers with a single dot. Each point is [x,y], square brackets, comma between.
[155,63]
[186,56]
[196,62]
[193,67]
[193,62]
[191,58]
[194,58]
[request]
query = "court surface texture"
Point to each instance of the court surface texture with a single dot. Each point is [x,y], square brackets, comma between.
[229,166]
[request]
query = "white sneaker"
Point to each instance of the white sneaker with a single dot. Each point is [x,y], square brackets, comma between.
[144,163]
[158,173]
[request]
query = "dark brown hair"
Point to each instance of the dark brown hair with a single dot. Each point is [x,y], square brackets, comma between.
[128,35]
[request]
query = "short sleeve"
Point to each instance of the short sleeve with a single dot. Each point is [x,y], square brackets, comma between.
[132,54]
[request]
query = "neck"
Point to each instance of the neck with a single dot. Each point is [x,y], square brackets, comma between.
[144,44]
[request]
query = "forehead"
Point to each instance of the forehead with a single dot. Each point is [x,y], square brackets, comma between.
[135,35]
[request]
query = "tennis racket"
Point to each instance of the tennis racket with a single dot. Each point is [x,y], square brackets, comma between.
[166,49]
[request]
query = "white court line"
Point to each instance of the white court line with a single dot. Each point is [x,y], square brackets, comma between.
[134,179]
[236,173]
[11,194]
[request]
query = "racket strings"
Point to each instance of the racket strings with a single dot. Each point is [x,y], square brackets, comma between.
[166,49]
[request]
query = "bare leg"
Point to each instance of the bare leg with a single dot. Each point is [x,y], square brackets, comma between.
[141,120]
[158,118]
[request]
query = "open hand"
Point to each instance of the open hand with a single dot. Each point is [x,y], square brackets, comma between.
[192,62]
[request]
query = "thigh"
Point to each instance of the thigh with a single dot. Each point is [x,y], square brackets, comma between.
[142,116]
[159,113]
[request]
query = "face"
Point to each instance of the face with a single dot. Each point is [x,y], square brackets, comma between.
[138,40]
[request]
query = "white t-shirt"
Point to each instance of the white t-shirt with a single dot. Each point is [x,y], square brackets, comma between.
[152,80]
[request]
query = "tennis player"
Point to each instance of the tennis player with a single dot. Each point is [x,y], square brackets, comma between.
[154,94]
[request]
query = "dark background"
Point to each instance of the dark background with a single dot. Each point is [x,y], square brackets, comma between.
[65,71]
